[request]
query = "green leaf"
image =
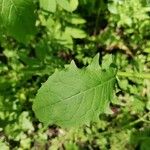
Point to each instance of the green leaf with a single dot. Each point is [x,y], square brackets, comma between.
[64,4]
[74,96]
[4,145]
[68,5]
[48,5]
[71,146]
[112,8]
[107,61]
[75,32]
[18,18]
[73,4]
[74,19]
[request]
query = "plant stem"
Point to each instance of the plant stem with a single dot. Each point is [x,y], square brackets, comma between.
[142,119]
[134,74]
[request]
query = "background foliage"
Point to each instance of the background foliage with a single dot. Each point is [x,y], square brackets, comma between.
[39,36]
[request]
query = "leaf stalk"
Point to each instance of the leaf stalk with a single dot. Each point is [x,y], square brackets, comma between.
[134,75]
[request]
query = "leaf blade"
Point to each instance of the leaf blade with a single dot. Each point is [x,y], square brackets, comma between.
[68,5]
[18,18]
[74,96]
[48,5]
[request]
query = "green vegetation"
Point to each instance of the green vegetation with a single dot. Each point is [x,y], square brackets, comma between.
[99,101]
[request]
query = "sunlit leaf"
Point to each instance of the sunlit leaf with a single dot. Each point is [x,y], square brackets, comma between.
[75,32]
[48,5]
[68,5]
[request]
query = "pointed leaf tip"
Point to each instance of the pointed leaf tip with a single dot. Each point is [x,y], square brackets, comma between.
[73,64]
[95,62]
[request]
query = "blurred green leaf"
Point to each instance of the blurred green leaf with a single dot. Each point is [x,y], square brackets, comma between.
[18,18]
[75,32]
[68,5]
[48,5]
